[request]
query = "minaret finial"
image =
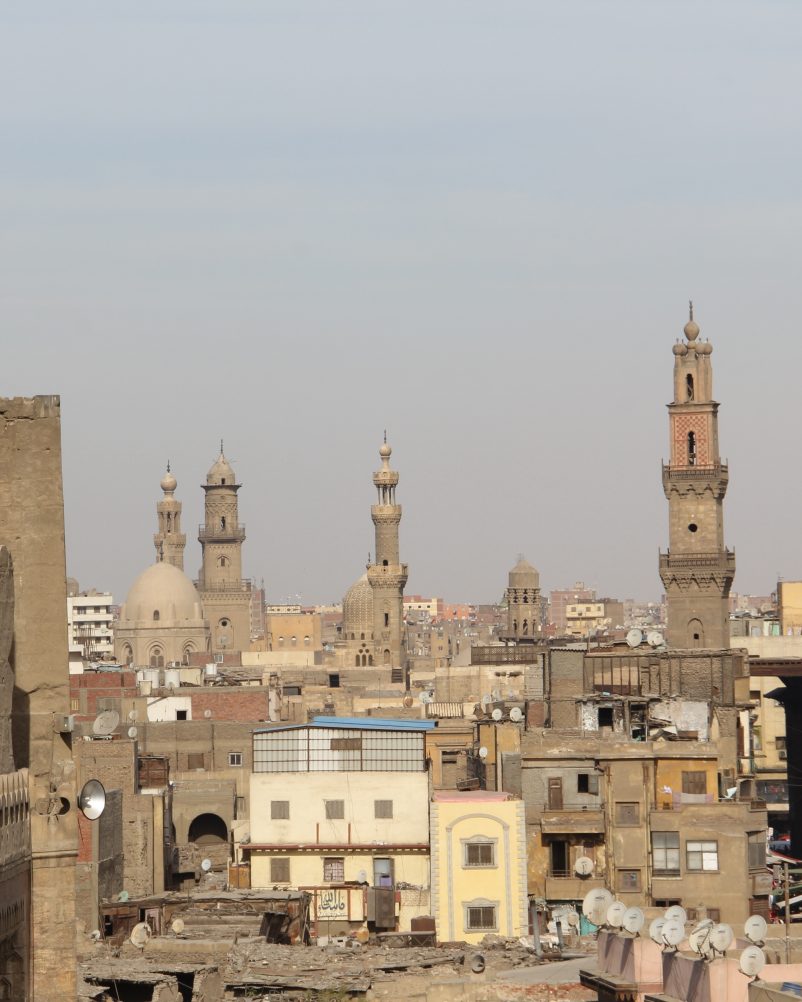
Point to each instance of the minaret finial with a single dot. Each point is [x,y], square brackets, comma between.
[168,465]
[221,447]
[385,436]
[690,309]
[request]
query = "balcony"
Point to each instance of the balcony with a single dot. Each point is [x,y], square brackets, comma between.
[565,886]
[216,534]
[713,472]
[573,819]
[714,560]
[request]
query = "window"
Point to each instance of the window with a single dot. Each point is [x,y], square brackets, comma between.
[155,615]
[382,808]
[701,856]
[279,870]
[279,810]
[694,782]
[235,758]
[334,680]
[480,917]
[334,869]
[627,815]
[335,809]
[665,853]
[387,619]
[629,880]
[75,704]
[779,743]
[605,716]
[757,850]
[480,854]
[180,714]
[240,809]
[558,852]
[195,760]
[587,782]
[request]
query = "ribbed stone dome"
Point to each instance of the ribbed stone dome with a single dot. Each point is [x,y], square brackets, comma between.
[358,609]
[524,575]
[221,472]
[165,590]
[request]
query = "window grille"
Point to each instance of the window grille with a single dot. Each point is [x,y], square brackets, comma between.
[482,917]
[382,808]
[335,810]
[327,749]
[480,854]
[280,870]
[334,869]
[279,810]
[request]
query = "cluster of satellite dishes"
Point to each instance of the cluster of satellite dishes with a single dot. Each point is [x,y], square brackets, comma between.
[708,939]
[654,638]
[515,713]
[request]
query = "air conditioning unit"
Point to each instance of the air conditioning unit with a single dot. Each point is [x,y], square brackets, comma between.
[783,754]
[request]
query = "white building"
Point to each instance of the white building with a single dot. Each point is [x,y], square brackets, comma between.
[90,624]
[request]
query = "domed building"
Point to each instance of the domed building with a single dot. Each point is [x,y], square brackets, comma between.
[358,623]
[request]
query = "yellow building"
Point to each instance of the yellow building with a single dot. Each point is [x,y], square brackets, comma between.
[340,808]
[478,840]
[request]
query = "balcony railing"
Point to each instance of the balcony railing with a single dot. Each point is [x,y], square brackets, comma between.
[697,472]
[229,534]
[682,561]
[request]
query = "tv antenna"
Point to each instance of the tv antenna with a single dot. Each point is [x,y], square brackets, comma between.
[105,723]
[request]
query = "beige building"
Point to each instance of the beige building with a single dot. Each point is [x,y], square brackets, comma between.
[341,809]
[90,622]
[294,631]
[789,607]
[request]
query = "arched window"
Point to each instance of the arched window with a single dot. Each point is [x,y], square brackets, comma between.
[294,641]
[307,640]
[691,448]
[689,386]
[157,658]
[128,654]
[525,629]
[208,829]
[281,641]
[361,636]
[515,626]
[696,633]
[387,658]
[384,563]
[370,659]
[223,562]
[156,616]
[356,661]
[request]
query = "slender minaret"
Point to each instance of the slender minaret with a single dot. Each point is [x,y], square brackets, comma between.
[523,601]
[225,595]
[169,540]
[387,576]
[697,570]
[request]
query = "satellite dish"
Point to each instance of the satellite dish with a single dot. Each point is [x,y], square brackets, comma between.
[721,937]
[497,714]
[654,638]
[597,898]
[140,935]
[752,961]
[92,800]
[206,865]
[615,914]
[572,918]
[583,867]
[207,713]
[132,732]
[132,716]
[95,935]
[755,928]
[122,896]
[633,920]
[483,752]
[699,935]
[408,701]
[673,932]
[487,700]
[496,694]
[362,877]
[635,637]
[656,930]
[678,913]
[425,697]
[106,723]
[177,926]
[515,715]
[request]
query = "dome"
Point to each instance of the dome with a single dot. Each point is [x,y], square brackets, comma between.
[680,349]
[705,348]
[524,575]
[165,590]
[168,482]
[385,451]
[221,472]
[358,609]
[691,330]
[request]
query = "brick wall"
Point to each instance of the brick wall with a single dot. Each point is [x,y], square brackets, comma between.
[242,705]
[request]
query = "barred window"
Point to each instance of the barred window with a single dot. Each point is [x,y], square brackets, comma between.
[629,880]
[665,853]
[480,854]
[235,758]
[382,808]
[335,810]
[280,870]
[481,917]
[757,850]
[701,856]
[334,869]
[627,814]
[279,810]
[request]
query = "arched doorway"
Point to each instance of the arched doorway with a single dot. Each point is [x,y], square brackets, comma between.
[208,829]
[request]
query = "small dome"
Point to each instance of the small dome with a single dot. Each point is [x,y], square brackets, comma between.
[680,348]
[385,451]
[691,330]
[704,348]
[358,609]
[221,472]
[165,590]
[168,482]
[524,575]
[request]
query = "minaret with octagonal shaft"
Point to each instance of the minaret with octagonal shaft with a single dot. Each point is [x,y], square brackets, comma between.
[698,570]
[387,576]
[169,540]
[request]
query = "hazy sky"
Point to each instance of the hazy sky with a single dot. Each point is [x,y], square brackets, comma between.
[293,224]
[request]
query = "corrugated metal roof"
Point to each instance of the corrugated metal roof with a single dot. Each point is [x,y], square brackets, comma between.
[357,723]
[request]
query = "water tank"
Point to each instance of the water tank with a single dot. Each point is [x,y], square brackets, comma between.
[151,675]
[172,678]
[210,671]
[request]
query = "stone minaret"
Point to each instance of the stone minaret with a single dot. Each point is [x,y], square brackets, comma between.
[523,602]
[697,571]
[387,576]
[224,594]
[169,540]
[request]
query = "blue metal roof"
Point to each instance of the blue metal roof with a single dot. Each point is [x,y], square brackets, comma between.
[357,723]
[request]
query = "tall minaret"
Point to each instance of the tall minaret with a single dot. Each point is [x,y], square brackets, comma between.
[225,596]
[697,570]
[169,540]
[387,576]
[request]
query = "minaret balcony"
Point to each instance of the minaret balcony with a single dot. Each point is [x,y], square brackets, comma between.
[216,534]
[718,471]
[723,560]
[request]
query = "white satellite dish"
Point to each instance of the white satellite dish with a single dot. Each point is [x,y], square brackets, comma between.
[487,700]
[207,713]
[673,932]
[633,920]
[206,865]
[92,800]
[177,926]
[515,715]
[122,896]
[497,714]
[635,637]
[132,716]
[483,752]
[140,935]
[105,723]
[132,732]
[615,914]
[95,935]
[699,935]
[572,918]
[755,929]
[583,867]
[425,697]
[654,638]
[752,961]
[678,913]
[721,937]
[599,897]
[656,930]
[362,877]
